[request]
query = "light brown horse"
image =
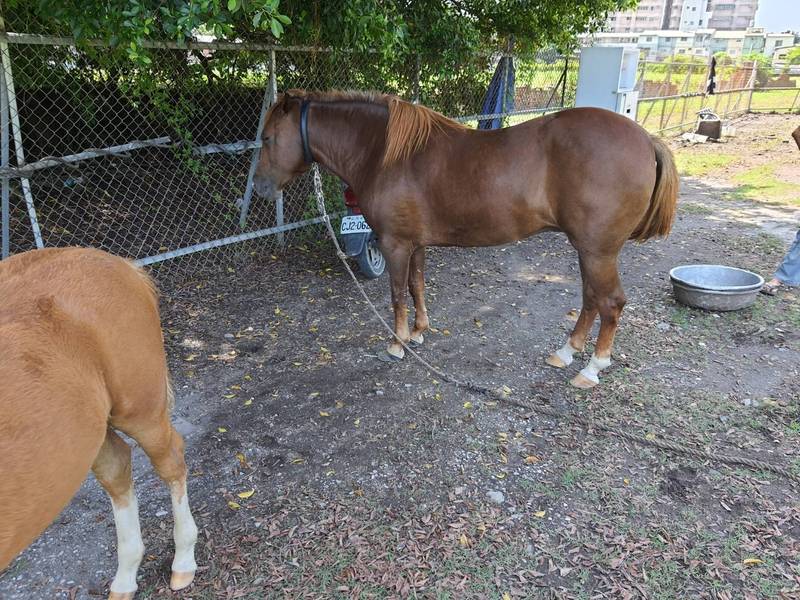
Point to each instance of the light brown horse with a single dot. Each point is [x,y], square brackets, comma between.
[81,355]
[424,180]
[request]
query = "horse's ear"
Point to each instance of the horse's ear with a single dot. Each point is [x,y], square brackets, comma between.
[289,98]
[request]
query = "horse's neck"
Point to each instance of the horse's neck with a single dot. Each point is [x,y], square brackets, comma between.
[348,138]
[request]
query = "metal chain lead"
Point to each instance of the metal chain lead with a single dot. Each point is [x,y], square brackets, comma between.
[502,396]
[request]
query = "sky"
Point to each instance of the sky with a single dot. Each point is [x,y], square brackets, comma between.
[778,15]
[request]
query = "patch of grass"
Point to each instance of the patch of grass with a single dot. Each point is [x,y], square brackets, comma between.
[692,208]
[761,183]
[697,165]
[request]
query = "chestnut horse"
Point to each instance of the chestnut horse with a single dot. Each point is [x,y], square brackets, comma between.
[425,180]
[81,355]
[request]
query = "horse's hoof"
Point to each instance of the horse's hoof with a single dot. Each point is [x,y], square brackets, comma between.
[388,357]
[581,381]
[554,360]
[121,595]
[416,341]
[180,580]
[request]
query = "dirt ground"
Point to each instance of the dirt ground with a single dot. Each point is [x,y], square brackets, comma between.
[375,480]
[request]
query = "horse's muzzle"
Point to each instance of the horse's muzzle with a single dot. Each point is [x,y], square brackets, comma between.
[265,187]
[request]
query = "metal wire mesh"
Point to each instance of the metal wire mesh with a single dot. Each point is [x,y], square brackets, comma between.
[171,154]
[672,92]
[183,188]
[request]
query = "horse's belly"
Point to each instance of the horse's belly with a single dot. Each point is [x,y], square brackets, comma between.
[489,231]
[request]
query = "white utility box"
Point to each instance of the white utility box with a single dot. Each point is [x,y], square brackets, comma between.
[606,78]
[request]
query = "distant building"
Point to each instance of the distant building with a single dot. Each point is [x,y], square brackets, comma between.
[649,14]
[660,43]
[733,14]
[684,15]
[687,15]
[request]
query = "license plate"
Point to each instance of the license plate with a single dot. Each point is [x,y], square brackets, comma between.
[354,224]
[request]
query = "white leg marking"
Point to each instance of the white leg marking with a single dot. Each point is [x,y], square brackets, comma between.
[130,548]
[184,531]
[565,353]
[596,364]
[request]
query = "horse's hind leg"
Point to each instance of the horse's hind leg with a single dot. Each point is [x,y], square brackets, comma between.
[164,446]
[416,285]
[577,340]
[112,467]
[606,290]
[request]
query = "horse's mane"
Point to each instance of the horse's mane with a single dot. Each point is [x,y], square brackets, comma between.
[410,125]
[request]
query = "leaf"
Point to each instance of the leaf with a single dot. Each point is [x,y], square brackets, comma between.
[236,387]
[506,596]
[242,460]
[257,19]
[232,5]
[357,422]
[234,505]
[650,436]
[539,514]
[323,413]
[248,402]
[467,405]
[464,540]
[276,28]
[284,19]
[339,404]
[532,459]
[221,429]
[752,562]
[229,396]
[246,495]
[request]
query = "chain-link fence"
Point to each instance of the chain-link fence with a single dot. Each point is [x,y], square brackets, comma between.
[158,167]
[672,92]
[157,164]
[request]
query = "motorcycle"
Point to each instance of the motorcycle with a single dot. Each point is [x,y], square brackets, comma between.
[359,240]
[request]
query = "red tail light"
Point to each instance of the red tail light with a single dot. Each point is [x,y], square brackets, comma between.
[351,202]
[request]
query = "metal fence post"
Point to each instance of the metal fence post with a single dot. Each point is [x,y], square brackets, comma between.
[4,151]
[273,91]
[415,90]
[5,59]
[248,189]
[751,85]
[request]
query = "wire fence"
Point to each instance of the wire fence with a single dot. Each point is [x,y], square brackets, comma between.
[159,165]
[162,171]
[671,93]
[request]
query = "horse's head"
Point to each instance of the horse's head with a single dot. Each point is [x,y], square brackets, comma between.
[281,157]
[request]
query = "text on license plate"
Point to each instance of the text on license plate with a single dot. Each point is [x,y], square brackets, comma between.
[354,224]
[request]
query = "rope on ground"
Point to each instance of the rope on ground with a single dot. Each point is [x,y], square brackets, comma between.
[501,395]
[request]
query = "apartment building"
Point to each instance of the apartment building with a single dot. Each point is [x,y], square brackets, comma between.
[684,15]
[648,15]
[733,14]
[687,15]
[659,44]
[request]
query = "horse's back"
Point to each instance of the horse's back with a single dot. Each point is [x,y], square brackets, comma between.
[79,336]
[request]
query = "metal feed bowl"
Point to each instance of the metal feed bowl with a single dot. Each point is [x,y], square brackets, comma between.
[715,287]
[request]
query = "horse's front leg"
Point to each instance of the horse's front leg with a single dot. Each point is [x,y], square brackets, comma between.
[398,256]
[416,285]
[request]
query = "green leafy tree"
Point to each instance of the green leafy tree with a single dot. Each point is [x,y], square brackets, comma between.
[125,24]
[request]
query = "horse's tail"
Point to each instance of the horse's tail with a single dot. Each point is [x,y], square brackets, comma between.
[657,221]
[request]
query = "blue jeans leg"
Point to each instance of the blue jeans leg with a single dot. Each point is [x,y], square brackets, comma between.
[789,270]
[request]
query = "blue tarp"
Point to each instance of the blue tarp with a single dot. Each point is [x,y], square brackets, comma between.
[500,95]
